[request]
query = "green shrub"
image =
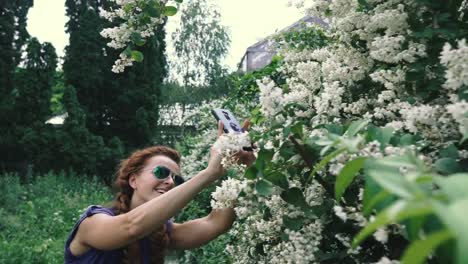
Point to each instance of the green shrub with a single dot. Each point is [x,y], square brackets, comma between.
[36,218]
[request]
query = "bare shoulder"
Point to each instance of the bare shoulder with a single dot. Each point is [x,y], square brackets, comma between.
[101,231]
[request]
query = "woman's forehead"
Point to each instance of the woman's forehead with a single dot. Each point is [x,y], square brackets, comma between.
[165,161]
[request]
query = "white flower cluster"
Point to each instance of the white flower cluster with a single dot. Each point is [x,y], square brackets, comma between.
[299,247]
[255,232]
[459,112]
[226,194]
[121,35]
[419,115]
[271,97]
[385,260]
[456,61]
[229,144]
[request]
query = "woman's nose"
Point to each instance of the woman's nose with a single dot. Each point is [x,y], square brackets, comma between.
[169,180]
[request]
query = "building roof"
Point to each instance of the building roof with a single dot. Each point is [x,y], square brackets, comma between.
[263,48]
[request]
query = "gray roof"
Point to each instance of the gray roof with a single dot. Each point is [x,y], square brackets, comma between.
[260,54]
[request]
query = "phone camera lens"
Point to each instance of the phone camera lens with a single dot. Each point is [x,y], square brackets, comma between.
[226,115]
[234,126]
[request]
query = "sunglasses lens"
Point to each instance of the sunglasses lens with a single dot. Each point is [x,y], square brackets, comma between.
[161,173]
[178,180]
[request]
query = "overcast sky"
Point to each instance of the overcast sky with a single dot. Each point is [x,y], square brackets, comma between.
[248,20]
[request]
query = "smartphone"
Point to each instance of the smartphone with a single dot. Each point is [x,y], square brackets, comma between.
[230,123]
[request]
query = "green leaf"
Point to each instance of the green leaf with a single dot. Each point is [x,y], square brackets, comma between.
[386,172]
[137,56]
[128,51]
[454,186]
[454,217]
[266,155]
[179,1]
[170,10]
[372,202]
[298,130]
[137,39]
[398,211]
[127,8]
[325,161]
[251,173]
[382,134]
[293,223]
[447,166]
[278,179]
[153,11]
[334,129]
[347,174]
[264,188]
[449,152]
[413,227]
[287,150]
[355,127]
[295,197]
[418,251]
[407,140]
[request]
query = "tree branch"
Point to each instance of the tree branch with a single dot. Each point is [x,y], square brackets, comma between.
[310,165]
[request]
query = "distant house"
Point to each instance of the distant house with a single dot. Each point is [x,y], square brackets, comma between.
[260,54]
[57,120]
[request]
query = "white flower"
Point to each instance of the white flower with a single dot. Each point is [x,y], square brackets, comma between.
[381,235]
[340,212]
[459,112]
[271,97]
[228,144]
[385,260]
[456,61]
[225,195]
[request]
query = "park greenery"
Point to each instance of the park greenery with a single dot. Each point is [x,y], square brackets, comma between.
[361,127]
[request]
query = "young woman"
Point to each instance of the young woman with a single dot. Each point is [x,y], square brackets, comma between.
[137,229]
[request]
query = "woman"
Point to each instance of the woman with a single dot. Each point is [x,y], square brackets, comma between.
[137,229]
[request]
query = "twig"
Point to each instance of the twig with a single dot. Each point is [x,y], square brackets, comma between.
[309,164]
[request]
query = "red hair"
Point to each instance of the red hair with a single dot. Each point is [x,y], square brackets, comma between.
[133,165]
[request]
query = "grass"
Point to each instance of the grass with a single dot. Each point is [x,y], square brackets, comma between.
[36,218]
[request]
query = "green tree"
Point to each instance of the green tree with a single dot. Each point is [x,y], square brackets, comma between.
[34,82]
[13,36]
[200,43]
[56,105]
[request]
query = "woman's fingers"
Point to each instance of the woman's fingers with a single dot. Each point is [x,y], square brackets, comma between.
[246,125]
[220,128]
[245,157]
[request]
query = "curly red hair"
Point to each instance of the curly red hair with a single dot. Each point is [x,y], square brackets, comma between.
[159,239]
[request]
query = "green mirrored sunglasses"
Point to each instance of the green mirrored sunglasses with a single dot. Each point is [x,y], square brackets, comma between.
[162,173]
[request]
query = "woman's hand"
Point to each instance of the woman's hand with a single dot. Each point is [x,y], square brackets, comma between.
[214,164]
[245,157]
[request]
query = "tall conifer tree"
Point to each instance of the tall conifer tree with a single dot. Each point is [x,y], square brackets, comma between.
[13,35]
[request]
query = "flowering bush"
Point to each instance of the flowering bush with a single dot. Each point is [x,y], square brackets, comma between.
[362,130]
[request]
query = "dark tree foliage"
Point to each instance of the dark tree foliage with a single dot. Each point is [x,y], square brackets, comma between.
[34,82]
[115,105]
[135,104]
[13,36]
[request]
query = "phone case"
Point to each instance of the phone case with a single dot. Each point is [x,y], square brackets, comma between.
[231,125]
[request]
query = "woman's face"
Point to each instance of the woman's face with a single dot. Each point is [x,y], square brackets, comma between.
[146,186]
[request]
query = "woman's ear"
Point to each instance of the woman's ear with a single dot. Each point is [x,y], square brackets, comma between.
[132,181]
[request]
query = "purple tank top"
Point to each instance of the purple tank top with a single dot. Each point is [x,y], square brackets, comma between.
[104,256]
